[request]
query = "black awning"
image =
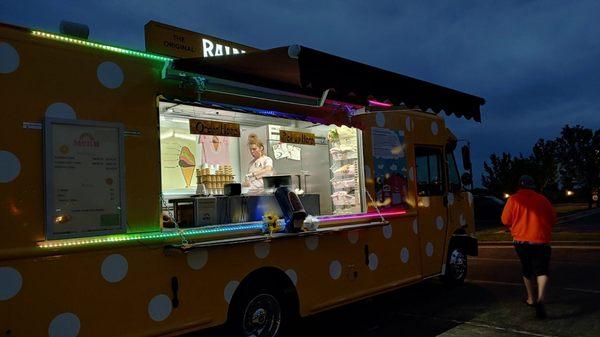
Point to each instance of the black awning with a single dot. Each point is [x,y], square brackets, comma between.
[307,71]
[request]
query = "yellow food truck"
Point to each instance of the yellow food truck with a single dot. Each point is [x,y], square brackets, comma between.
[203,182]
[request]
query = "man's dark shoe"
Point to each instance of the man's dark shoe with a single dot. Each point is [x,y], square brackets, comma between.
[540,311]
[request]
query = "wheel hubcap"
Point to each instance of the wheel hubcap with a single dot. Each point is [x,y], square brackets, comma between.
[262,317]
[458,263]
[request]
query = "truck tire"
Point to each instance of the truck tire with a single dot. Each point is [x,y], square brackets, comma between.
[456,267]
[259,312]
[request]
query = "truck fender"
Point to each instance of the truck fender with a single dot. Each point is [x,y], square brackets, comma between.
[467,242]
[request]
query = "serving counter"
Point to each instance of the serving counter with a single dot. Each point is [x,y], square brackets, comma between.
[221,209]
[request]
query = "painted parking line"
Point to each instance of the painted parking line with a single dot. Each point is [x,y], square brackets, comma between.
[477,324]
[555,261]
[515,284]
[510,246]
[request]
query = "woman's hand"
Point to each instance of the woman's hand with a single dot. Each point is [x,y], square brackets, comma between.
[246,183]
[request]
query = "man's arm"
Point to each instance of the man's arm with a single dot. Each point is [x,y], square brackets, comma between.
[507,214]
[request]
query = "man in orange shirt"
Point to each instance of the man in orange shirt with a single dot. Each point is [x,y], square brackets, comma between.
[529,216]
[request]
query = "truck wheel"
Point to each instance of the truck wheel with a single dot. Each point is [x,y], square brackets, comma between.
[258,313]
[456,267]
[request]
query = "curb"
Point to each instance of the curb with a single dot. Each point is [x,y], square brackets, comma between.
[560,220]
[578,215]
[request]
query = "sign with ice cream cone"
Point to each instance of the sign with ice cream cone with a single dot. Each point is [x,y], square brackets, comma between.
[187,163]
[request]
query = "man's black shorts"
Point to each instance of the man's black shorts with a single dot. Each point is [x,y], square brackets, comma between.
[535,258]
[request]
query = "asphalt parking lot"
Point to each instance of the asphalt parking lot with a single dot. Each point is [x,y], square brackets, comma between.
[490,303]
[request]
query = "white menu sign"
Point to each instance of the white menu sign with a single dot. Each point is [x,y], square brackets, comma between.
[84,178]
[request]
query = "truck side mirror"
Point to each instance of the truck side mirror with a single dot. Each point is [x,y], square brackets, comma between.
[466,179]
[466,157]
[451,145]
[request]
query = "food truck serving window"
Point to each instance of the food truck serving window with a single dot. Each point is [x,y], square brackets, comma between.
[220,176]
[84,178]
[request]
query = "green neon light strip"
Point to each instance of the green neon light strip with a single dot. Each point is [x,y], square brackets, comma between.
[152,236]
[100,46]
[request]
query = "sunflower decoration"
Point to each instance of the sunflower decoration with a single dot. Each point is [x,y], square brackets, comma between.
[333,135]
[270,219]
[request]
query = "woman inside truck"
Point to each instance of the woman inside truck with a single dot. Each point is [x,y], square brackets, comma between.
[260,166]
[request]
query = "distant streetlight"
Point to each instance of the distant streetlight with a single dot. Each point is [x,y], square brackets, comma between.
[506,195]
[569,193]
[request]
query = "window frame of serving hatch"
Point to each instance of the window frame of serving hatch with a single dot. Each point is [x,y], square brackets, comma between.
[362,194]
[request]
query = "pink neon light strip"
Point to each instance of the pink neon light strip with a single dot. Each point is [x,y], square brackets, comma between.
[377,103]
[360,216]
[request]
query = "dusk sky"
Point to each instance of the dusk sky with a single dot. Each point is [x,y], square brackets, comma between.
[536,63]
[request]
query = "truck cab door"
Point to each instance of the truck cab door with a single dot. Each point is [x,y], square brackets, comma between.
[460,202]
[432,207]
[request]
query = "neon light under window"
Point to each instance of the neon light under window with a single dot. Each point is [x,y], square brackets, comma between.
[378,103]
[189,233]
[360,216]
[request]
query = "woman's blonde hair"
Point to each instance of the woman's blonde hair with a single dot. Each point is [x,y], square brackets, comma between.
[254,140]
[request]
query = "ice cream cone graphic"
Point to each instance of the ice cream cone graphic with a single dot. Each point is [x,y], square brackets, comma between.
[188,173]
[216,143]
[187,163]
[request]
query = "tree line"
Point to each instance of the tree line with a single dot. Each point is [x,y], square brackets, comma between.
[570,162]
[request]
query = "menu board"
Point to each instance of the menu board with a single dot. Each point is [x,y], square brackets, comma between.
[84,177]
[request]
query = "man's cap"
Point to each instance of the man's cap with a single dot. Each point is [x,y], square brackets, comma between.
[526,182]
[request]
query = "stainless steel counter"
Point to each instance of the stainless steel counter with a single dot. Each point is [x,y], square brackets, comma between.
[217,210]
